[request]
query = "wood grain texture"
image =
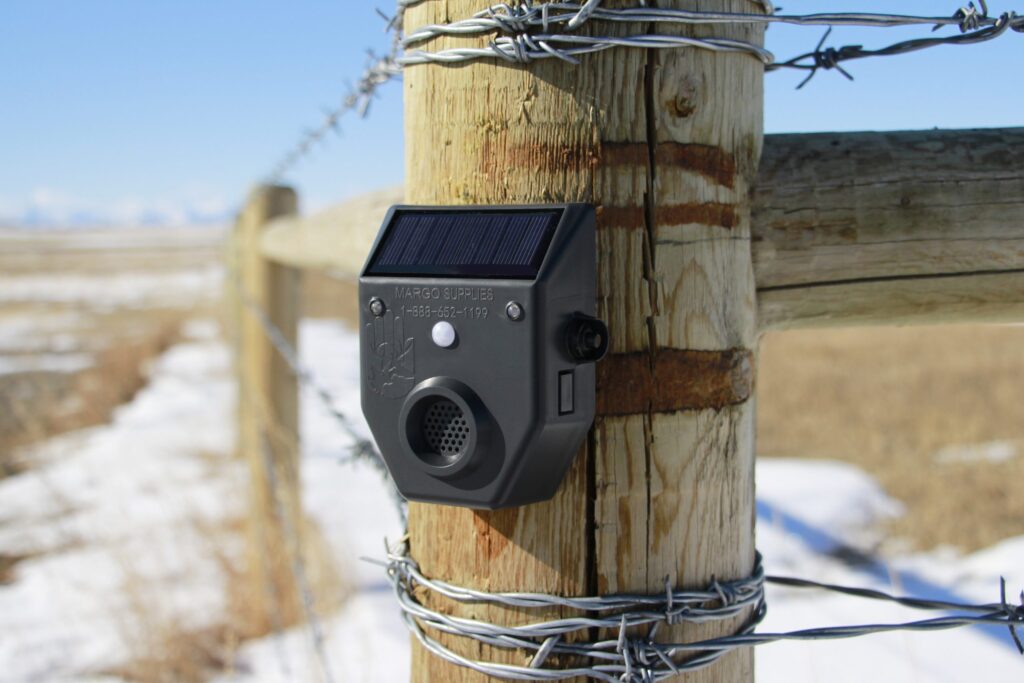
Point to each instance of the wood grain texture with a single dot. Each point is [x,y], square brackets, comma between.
[336,239]
[268,404]
[928,300]
[901,227]
[667,145]
[845,225]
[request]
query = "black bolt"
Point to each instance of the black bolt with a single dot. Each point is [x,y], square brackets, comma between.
[587,338]
[377,306]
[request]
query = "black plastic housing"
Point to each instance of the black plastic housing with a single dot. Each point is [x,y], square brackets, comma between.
[495,419]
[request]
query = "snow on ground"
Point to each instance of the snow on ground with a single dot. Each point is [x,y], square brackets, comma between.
[814,522]
[106,240]
[48,320]
[126,488]
[46,362]
[990,451]
[106,291]
[113,521]
[26,332]
[366,640]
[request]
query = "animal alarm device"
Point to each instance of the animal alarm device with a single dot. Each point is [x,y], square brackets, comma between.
[477,347]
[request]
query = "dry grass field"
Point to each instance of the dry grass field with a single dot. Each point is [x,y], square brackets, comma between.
[936,414]
[81,315]
[37,404]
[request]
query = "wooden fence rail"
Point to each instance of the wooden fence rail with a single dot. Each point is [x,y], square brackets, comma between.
[848,229]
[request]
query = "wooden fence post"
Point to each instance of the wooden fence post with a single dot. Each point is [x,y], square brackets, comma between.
[666,144]
[267,407]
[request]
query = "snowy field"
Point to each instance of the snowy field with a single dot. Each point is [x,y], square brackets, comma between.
[59,290]
[106,292]
[126,504]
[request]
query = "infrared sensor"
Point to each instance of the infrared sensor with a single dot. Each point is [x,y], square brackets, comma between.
[478,341]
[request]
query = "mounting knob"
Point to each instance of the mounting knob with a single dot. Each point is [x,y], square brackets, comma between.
[586,338]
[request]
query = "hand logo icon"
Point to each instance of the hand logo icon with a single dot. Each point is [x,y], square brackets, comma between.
[391,368]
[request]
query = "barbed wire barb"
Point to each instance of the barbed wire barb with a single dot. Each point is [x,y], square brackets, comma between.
[518,39]
[1012,611]
[361,449]
[378,71]
[970,17]
[640,659]
[827,59]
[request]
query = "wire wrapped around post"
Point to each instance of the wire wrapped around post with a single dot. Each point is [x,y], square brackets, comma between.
[634,656]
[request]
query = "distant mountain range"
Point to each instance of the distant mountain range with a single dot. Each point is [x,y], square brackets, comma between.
[40,219]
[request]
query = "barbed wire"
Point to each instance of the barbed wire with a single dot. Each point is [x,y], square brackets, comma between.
[832,58]
[640,658]
[519,43]
[378,71]
[511,18]
[285,522]
[361,448]
[300,576]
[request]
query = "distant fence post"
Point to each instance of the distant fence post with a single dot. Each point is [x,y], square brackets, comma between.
[268,421]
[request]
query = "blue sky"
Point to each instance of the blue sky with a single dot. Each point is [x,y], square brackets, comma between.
[161,111]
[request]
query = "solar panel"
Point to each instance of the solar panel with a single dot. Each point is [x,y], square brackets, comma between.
[485,243]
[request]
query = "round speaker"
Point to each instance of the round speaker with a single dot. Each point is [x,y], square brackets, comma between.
[443,423]
[445,428]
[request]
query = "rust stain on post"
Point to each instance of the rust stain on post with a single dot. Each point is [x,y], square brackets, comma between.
[713,163]
[497,155]
[709,214]
[629,384]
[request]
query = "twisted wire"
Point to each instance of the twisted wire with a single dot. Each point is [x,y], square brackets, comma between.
[634,655]
[529,32]
[361,448]
[831,58]
[298,567]
[378,71]
[520,18]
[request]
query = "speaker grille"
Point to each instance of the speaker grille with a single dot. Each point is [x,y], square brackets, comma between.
[445,428]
